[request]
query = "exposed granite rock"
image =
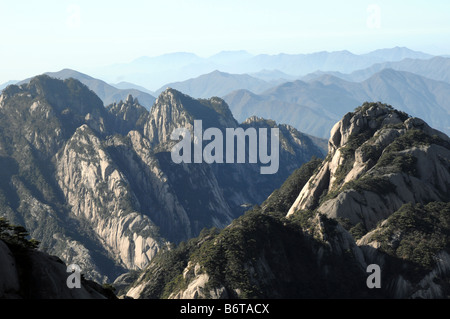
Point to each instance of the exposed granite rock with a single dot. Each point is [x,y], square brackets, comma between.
[359,182]
[98,194]
[96,186]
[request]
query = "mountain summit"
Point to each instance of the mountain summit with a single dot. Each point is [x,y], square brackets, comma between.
[378,160]
[381,197]
[97,187]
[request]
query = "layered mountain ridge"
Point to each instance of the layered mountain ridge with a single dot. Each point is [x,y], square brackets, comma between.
[380,197]
[97,187]
[154,72]
[314,105]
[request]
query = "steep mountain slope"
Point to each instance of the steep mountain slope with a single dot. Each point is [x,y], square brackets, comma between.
[127,115]
[4,85]
[333,97]
[29,274]
[380,197]
[174,109]
[61,178]
[260,255]
[414,244]
[386,181]
[378,160]
[97,186]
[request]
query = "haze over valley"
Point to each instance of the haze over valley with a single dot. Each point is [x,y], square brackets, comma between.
[241,150]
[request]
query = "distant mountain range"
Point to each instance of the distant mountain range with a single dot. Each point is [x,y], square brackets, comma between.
[154,72]
[437,68]
[415,82]
[218,83]
[314,106]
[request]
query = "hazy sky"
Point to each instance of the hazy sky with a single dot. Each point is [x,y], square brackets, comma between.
[48,35]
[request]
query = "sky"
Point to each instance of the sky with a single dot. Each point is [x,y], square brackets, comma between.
[49,35]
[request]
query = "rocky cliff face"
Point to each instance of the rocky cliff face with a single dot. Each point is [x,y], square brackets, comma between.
[98,193]
[380,197]
[127,115]
[174,110]
[97,187]
[382,167]
[378,160]
[261,255]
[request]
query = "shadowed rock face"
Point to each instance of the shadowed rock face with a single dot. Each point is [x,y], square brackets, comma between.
[380,197]
[97,187]
[31,274]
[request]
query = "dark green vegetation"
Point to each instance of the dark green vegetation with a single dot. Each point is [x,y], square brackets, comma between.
[262,255]
[363,139]
[50,127]
[282,199]
[416,234]
[382,161]
[259,256]
[29,137]
[392,156]
[165,271]
[16,235]
[39,275]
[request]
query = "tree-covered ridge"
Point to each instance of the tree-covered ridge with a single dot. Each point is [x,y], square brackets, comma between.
[261,254]
[16,235]
[96,185]
[164,275]
[311,253]
[415,234]
[379,159]
[406,135]
[282,198]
